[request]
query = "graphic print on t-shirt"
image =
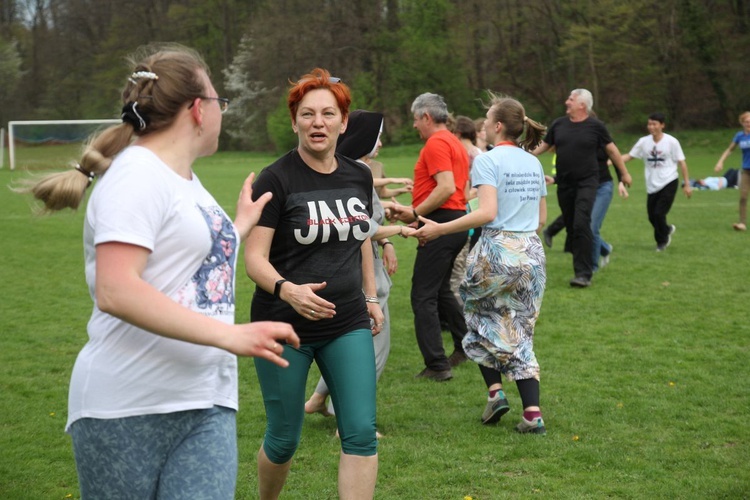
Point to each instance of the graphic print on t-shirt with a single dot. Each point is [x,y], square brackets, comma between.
[655,158]
[210,289]
[323,217]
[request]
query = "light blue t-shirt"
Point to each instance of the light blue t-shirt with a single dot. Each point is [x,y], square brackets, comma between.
[519,179]
[743,141]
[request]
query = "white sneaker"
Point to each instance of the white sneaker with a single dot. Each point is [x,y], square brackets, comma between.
[604,260]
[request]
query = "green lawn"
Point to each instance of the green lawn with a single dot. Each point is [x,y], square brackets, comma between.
[643,375]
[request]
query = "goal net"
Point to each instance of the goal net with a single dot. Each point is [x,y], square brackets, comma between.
[45,144]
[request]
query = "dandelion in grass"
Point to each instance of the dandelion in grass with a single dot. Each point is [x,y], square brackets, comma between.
[620,405]
[671,384]
[52,414]
[576,438]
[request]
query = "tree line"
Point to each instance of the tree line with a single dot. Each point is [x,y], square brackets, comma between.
[64,59]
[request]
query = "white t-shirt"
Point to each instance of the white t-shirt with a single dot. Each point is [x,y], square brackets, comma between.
[519,179]
[123,370]
[660,159]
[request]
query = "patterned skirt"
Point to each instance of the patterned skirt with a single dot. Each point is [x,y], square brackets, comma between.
[502,292]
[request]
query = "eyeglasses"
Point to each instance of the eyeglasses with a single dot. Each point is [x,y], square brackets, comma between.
[223,102]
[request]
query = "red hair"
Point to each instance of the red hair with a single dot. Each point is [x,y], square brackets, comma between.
[319,78]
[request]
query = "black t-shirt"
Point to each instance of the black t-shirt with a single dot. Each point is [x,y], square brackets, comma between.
[576,144]
[320,223]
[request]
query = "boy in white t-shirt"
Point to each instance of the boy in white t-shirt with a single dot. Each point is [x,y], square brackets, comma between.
[661,153]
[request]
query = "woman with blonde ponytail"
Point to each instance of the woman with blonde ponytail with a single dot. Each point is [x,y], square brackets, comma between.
[506,270]
[153,394]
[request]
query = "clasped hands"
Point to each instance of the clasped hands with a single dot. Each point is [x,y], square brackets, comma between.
[396,212]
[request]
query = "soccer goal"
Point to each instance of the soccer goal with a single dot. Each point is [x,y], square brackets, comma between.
[33,134]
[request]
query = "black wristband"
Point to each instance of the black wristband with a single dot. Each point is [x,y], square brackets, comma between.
[387,243]
[277,288]
[416,215]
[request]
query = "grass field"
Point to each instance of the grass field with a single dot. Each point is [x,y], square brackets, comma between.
[644,375]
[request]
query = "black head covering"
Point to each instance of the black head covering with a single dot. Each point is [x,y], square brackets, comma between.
[361,134]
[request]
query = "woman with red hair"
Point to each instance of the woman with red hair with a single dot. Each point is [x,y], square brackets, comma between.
[311,258]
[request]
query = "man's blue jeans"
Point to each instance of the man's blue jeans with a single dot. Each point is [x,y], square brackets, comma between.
[600,247]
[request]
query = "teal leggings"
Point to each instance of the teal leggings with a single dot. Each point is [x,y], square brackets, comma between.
[348,367]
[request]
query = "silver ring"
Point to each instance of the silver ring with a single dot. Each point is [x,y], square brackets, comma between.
[380,324]
[312,312]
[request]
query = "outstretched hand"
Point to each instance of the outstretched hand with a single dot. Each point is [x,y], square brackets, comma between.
[399,212]
[622,190]
[262,340]
[248,211]
[428,232]
[627,180]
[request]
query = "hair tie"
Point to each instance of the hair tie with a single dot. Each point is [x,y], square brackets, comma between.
[147,75]
[85,172]
[130,115]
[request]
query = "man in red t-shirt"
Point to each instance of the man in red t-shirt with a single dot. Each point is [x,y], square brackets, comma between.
[440,178]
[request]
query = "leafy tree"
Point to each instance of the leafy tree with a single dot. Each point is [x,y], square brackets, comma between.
[245,119]
[10,76]
[280,127]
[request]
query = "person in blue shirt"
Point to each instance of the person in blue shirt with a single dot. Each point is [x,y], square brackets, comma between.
[741,139]
[506,270]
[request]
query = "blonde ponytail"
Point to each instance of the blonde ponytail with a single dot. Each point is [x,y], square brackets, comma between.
[66,189]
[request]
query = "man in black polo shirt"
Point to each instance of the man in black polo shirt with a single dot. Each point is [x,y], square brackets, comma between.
[576,138]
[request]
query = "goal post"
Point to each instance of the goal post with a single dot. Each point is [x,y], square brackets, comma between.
[12,125]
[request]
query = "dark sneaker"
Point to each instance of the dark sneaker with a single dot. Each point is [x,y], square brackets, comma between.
[534,426]
[436,375]
[580,282]
[496,408]
[547,238]
[457,358]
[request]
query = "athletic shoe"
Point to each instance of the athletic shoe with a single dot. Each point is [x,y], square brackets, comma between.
[457,358]
[605,258]
[496,408]
[436,375]
[580,282]
[663,246]
[739,226]
[547,238]
[534,426]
